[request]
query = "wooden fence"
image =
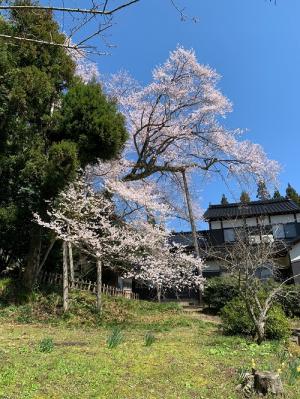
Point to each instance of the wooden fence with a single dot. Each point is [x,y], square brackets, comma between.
[86,285]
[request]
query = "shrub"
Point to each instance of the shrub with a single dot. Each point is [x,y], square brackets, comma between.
[277,324]
[115,338]
[219,291]
[46,345]
[236,321]
[290,300]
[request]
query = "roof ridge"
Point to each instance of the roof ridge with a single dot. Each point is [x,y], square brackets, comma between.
[244,204]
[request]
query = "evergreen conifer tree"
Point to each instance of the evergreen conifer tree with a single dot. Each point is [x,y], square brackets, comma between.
[224,200]
[51,124]
[262,191]
[292,194]
[277,194]
[244,198]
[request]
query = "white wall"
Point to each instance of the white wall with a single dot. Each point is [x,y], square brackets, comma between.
[215,225]
[233,223]
[276,219]
[252,222]
[295,253]
[296,271]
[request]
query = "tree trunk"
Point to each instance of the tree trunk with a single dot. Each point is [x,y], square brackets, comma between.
[30,274]
[159,292]
[260,330]
[193,227]
[267,383]
[65,278]
[71,263]
[46,255]
[99,286]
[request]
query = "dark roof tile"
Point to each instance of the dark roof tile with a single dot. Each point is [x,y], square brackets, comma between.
[253,208]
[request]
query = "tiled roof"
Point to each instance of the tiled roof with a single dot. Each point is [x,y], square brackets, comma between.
[254,208]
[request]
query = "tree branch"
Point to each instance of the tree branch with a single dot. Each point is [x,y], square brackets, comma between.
[93,11]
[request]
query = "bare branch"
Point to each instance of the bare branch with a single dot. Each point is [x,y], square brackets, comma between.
[93,11]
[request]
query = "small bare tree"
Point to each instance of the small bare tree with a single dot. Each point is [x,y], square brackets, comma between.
[251,254]
[86,24]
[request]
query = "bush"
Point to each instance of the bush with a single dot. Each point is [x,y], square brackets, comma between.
[236,321]
[277,324]
[290,300]
[219,291]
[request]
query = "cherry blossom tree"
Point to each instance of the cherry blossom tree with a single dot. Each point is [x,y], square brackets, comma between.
[175,122]
[89,219]
[176,131]
[168,267]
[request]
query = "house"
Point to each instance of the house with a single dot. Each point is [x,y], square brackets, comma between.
[275,220]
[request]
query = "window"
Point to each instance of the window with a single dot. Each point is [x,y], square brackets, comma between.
[284,230]
[229,235]
[278,231]
[124,283]
[264,272]
[290,230]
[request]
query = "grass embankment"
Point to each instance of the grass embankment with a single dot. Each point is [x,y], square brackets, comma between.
[189,358]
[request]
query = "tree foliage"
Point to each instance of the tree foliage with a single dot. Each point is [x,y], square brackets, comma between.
[224,200]
[277,194]
[244,198]
[292,194]
[262,191]
[51,124]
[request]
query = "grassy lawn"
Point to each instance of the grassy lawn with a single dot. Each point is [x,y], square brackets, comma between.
[189,358]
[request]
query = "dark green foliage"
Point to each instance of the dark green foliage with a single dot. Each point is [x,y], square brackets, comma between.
[292,194]
[244,198]
[277,194]
[224,200]
[236,321]
[91,120]
[289,300]
[62,166]
[218,291]
[51,124]
[262,191]
[277,324]
[46,345]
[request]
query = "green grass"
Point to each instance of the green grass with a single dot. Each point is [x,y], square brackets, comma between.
[190,358]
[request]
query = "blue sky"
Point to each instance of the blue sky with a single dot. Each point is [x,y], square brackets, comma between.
[253,44]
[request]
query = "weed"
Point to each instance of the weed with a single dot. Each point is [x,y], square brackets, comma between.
[25,314]
[149,338]
[46,345]
[115,337]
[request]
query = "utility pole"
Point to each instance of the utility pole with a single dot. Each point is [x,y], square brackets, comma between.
[193,225]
